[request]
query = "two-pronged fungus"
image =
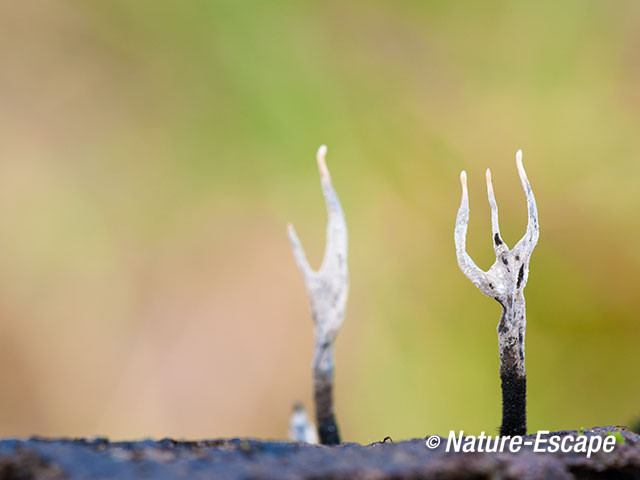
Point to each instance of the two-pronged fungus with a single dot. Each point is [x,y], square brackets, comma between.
[505,282]
[328,289]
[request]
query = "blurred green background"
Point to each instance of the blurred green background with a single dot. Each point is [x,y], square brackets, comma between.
[151,153]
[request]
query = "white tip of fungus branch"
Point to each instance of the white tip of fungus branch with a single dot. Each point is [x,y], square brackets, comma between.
[533,230]
[463,182]
[489,185]
[298,252]
[322,163]
[463,212]
[519,164]
[470,269]
[498,244]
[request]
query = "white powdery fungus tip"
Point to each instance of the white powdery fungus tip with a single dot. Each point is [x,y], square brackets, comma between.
[463,182]
[498,243]
[530,239]
[322,162]
[298,253]
[489,182]
[519,161]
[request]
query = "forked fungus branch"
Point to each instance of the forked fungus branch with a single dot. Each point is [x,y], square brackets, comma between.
[328,289]
[505,282]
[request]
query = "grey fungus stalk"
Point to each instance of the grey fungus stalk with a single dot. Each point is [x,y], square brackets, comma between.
[505,282]
[328,289]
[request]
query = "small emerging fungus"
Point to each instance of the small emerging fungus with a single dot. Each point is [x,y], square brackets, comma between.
[505,282]
[328,289]
[301,429]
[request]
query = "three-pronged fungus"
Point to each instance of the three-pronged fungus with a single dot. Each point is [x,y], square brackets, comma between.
[505,282]
[328,289]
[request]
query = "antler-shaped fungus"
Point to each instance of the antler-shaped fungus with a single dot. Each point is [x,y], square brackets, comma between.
[505,282]
[328,289]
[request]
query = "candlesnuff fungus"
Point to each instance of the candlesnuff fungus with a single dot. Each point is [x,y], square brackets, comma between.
[301,429]
[327,289]
[505,282]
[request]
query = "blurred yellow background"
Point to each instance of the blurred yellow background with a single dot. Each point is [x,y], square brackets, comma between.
[151,153]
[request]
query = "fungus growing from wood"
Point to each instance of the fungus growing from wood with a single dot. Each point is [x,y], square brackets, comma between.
[301,428]
[328,289]
[505,282]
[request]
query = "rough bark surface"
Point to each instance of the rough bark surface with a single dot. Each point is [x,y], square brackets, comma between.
[247,458]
